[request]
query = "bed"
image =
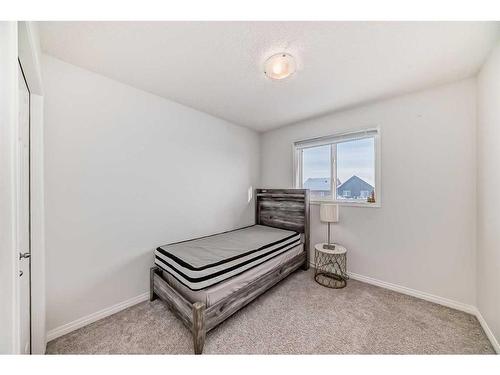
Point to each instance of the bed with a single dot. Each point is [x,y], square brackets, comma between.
[206,280]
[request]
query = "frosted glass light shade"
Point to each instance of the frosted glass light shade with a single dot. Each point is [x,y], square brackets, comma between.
[279,66]
[329,212]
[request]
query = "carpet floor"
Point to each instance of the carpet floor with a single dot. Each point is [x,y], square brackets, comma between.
[297,316]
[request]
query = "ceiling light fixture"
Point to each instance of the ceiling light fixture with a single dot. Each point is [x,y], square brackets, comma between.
[279,66]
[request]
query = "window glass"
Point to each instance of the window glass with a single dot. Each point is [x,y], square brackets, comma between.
[316,171]
[356,169]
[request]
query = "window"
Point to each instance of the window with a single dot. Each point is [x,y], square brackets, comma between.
[342,168]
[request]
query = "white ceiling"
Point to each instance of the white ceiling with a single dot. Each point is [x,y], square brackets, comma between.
[217,67]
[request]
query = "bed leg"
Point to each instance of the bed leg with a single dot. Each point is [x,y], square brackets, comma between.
[305,265]
[152,295]
[199,331]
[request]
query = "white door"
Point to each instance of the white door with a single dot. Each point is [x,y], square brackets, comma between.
[23,206]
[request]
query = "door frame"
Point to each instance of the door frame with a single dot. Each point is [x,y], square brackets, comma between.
[29,56]
[22,249]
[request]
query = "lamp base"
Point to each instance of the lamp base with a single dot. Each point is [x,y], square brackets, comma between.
[329,246]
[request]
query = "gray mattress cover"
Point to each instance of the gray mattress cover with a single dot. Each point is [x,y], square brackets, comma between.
[211,295]
[212,249]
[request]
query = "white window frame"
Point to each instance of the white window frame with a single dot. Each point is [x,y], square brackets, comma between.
[333,140]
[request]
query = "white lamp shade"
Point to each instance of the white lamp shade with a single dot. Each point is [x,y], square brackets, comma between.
[329,212]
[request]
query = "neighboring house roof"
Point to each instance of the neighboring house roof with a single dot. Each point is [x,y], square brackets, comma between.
[355,183]
[355,179]
[321,183]
[317,184]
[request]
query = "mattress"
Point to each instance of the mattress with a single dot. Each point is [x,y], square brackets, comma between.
[207,261]
[215,293]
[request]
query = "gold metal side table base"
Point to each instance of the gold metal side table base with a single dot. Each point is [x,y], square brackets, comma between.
[330,280]
[331,265]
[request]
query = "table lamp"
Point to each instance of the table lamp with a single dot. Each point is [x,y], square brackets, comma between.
[329,213]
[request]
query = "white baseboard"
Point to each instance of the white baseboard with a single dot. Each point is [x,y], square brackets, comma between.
[488,331]
[86,320]
[470,309]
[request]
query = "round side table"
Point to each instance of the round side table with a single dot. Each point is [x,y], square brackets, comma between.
[331,266]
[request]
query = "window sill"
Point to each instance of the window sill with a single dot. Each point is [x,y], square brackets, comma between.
[347,204]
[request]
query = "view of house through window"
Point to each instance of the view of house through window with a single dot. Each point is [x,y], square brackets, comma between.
[317,169]
[352,162]
[356,169]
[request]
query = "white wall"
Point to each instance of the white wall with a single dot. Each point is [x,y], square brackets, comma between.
[126,171]
[9,265]
[38,256]
[423,236]
[488,187]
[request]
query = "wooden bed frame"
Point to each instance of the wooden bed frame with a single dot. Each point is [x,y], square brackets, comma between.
[280,208]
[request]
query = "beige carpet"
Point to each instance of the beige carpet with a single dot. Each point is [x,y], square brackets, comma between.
[297,316]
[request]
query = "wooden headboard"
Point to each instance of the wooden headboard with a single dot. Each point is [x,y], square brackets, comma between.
[285,209]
